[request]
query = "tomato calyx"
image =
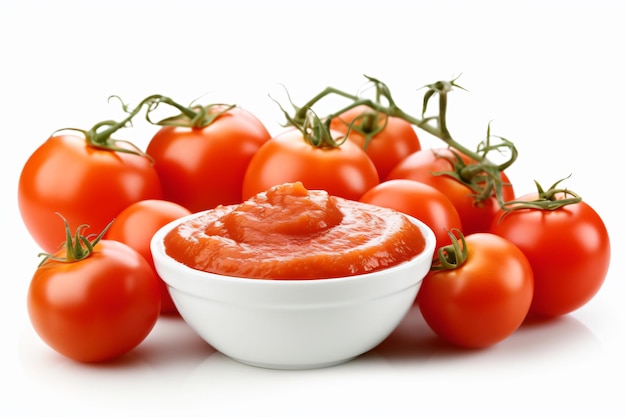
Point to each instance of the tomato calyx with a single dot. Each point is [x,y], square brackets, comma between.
[482,176]
[315,131]
[551,199]
[77,247]
[369,124]
[451,256]
[193,116]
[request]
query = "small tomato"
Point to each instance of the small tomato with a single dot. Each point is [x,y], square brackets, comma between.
[343,169]
[202,166]
[136,225]
[568,248]
[88,184]
[430,167]
[419,200]
[93,301]
[483,296]
[386,140]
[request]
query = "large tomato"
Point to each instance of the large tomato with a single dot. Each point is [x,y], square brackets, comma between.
[202,167]
[97,307]
[343,171]
[426,166]
[484,299]
[386,140]
[419,200]
[568,248]
[87,184]
[136,225]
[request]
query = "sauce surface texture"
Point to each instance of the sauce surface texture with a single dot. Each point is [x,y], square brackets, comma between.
[289,232]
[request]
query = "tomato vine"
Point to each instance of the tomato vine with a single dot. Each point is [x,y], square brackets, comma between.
[482,176]
[100,135]
[192,116]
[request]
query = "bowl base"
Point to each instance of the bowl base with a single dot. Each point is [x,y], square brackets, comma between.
[293,367]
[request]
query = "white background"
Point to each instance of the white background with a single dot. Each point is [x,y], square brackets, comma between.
[549,75]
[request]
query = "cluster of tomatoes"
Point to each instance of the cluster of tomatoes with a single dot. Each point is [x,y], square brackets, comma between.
[502,258]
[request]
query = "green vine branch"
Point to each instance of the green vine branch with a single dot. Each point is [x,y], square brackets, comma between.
[100,135]
[482,175]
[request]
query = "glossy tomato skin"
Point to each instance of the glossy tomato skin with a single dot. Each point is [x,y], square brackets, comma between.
[201,168]
[84,184]
[420,166]
[136,225]
[419,200]
[387,148]
[98,308]
[485,300]
[344,171]
[568,248]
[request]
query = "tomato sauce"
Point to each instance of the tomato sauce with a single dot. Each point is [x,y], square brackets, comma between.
[290,232]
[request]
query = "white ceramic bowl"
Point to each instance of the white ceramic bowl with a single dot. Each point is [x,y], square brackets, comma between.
[293,324]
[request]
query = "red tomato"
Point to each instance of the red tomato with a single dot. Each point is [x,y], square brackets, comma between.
[97,308]
[87,184]
[136,225]
[421,166]
[343,171]
[393,140]
[482,301]
[568,248]
[201,168]
[419,200]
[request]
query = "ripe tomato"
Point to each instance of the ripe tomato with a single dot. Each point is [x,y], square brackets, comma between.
[419,200]
[568,248]
[482,301]
[201,168]
[88,185]
[393,138]
[422,166]
[343,171]
[97,308]
[136,225]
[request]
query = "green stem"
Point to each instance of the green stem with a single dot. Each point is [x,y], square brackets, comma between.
[99,135]
[196,116]
[156,99]
[392,110]
[483,176]
[102,138]
[546,200]
[452,256]
[78,247]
